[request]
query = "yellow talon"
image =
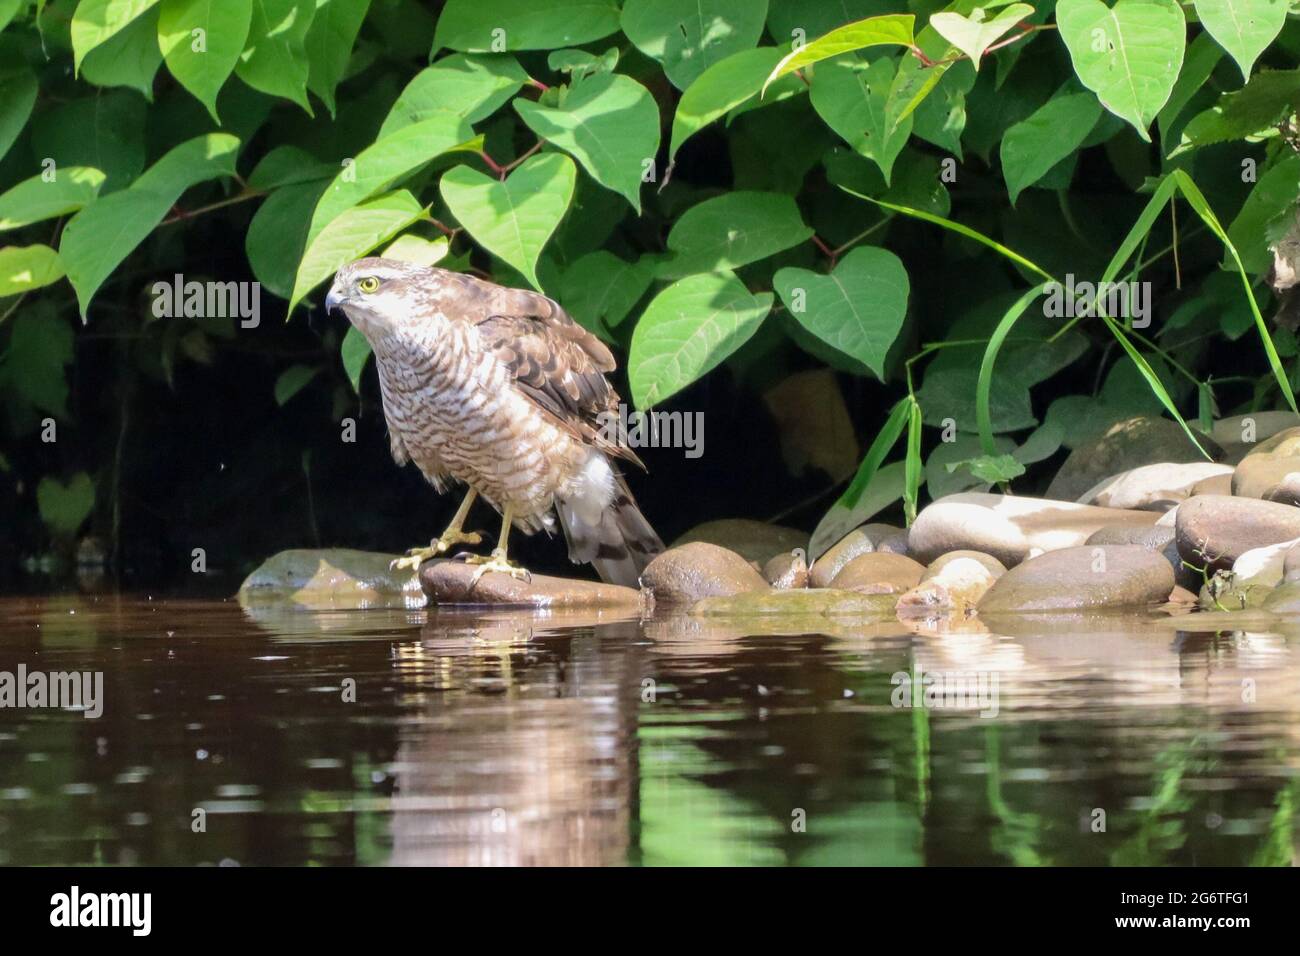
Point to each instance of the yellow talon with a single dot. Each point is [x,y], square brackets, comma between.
[417,556]
[497,562]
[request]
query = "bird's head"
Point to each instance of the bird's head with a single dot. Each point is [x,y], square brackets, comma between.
[377,295]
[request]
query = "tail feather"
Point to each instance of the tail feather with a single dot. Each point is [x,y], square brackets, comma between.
[620,545]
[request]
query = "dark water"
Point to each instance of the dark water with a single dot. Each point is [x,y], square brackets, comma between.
[517,738]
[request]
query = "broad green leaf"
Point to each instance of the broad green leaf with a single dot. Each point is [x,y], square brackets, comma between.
[355,352]
[275,58]
[8,9]
[796,21]
[201,40]
[894,29]
[293,380]
[32,364]
[973,34]
[352,235]
[496,26]
[609,123]
[1275,193]
[387,161]
[580,64]
[991,469]
[100,236]
[733,229]
[1244,28]
[471,86]
[1270,97]
[720,88]
[857,309]
[96,21]
[17,97]
[600,289]
[1129,55]
[41,198]
[1032,147]
[23,268]
[129,58]
[852,96]
[288,165]
[105,130]
[65,506]
[417,249]
[687,330]
[514,218]
[329,42]
[277,235]
[941,117]
[689,36]
[1202,57]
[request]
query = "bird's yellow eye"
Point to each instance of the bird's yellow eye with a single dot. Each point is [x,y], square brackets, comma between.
[368,284]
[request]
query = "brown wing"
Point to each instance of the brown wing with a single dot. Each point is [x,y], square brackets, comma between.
[556,363]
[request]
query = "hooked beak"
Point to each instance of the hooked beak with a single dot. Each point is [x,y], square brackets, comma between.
[333,300]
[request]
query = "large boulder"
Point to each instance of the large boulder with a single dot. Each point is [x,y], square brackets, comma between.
[1155,487]
[1213,531]
[331,578]
[1125,445]
[752,540]
[1088,577]
[689,572]
[1009,527]
[452,582]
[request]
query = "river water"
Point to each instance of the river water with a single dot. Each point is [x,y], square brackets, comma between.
[433,737]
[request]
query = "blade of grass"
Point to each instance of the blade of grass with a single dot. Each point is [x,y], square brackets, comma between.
[912,465]
[880,447]
[984,385]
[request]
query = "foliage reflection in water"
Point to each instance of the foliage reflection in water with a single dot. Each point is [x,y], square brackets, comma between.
[514,738]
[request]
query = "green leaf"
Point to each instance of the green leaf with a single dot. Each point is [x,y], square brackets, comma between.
[275,58]
[689,36]
[1050,134]
[885,439]
[1128,55]
[355,352]
[96,21]
[600,289]
[23,268]
[912,468]
[983,387]
[851,96]
[17,97]
[719,89]
[106,131]
[991,469]
[609,123]
[894,29]
[329,43]
[1269,97]
[1244,28]
[8,9]
[277,236]
[32,366]
[352,235]
[417,249]
[386,162]
[65,507]
[858,309]
[1202,57]
[687,330]
[100,236]
[293,380]
[473,87]
[733,229]
[203,61]
[495,26]
[1275,193]
[973,35]
[514,218]
[129,58]
[39,198]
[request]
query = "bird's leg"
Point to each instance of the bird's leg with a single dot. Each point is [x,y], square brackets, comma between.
[440,545]
[498,561]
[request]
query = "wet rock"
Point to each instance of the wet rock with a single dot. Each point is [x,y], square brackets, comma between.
[866,539]
[806,602]
[1181,597]
[752,540]
[1010,527]
[786,571]
[1155,487]
[1271,469]
[1125,445]
[992,564]
[452,582]
[1216,485]
[1283,599]
[1157,537]
[686,573]
[331,578]
[1213,531]
[955,587]
[880,572]
[1093,576]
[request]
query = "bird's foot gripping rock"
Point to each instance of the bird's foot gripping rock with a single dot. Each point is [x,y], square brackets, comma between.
[417,556]
[496,562]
